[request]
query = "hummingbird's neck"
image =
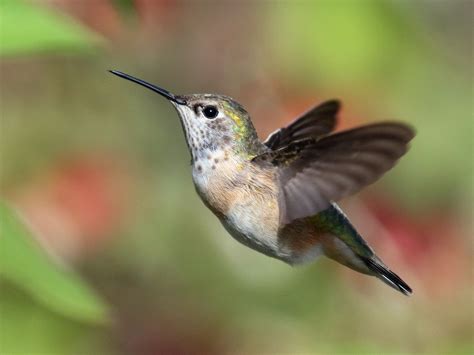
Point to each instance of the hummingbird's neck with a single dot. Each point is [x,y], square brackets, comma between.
[232,132]
[244,139]
[227,148]
[239,140]
[247,147]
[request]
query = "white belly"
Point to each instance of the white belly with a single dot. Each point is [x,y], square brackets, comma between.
[246,206]
[251,222]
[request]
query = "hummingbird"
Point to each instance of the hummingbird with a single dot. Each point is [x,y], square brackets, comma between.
[279,196]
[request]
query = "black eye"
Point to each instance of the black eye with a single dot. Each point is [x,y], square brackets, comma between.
[210,111]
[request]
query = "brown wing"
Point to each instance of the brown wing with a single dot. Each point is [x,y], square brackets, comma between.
[313,173]
[315,123]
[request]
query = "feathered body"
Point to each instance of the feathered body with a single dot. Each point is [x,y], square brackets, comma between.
[277,197]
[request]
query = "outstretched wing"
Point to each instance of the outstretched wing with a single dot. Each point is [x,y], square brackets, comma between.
[313,173]
[315,123]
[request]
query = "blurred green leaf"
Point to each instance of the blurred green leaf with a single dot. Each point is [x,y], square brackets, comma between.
[27,327]
[26,28]
[23,263]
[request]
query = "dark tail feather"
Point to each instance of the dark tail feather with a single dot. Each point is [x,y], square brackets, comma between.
[387,276]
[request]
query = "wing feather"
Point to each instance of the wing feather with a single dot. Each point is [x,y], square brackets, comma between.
[317,122]
[315,172]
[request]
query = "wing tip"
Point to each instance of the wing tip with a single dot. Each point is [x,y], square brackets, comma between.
[408,130]
[334,104]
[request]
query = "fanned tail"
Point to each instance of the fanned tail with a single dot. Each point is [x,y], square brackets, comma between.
[387,276]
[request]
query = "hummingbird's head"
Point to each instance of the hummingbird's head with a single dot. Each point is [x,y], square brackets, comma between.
[211,122]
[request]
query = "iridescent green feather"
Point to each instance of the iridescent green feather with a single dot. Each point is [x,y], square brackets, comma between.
[244,131]
[333,221]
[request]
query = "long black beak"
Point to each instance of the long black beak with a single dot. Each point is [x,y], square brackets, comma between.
[155,88]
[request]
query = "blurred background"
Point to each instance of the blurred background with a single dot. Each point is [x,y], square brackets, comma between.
[107,249]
